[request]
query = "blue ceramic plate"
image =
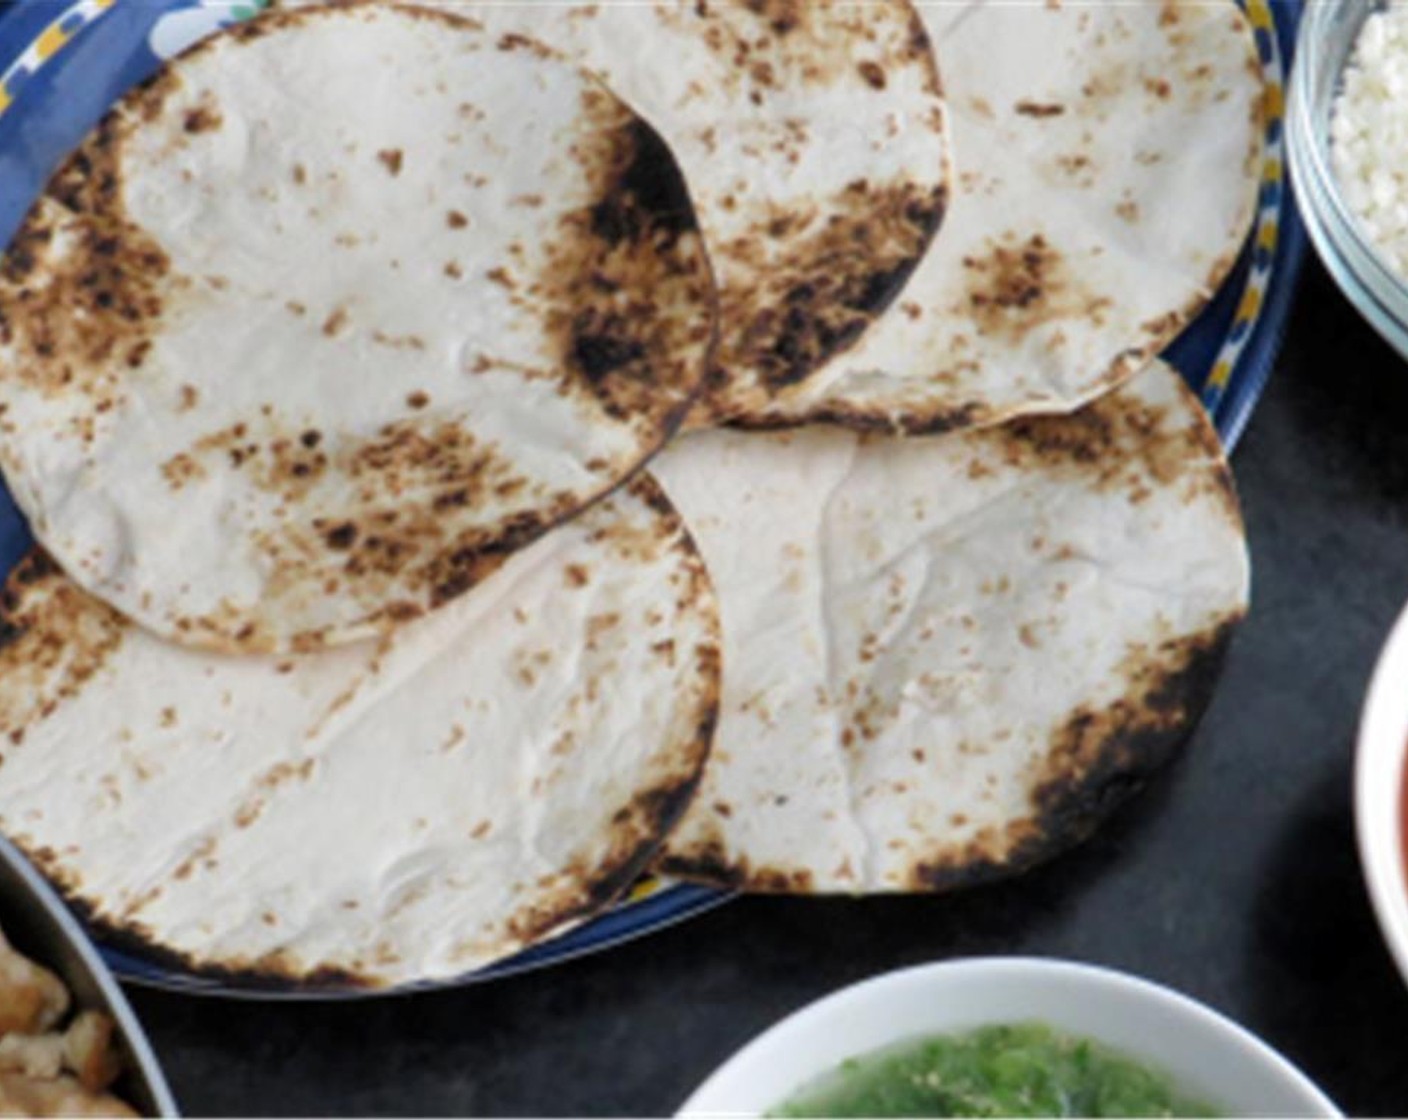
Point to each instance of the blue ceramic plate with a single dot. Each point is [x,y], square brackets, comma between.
[63,63]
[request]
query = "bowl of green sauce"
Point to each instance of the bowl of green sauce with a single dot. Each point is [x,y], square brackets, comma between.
[1007,1037]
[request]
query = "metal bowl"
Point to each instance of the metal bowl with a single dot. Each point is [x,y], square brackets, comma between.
[1328,32]
[38,925]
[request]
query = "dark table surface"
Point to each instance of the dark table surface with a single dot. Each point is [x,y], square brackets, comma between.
[1233,878]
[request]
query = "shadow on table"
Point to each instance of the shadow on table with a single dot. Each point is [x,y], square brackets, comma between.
[1323,986]
[1346,391]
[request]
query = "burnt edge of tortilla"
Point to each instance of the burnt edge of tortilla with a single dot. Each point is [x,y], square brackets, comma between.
[1144,734]
[663,807]
[1138,737]
[657,810]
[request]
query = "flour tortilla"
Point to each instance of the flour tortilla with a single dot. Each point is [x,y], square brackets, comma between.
[947,658]
[813,137]
[1107,162]
[382,813]
[341,307]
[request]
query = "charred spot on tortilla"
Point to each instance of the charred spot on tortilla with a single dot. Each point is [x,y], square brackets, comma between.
[36,567]
[712,863]
[55,660]
[643,237]
[873,73]
[809,310]
[599,348]
[202,119]
[102,303]
[1019,285]
[454,574]
[648,197]
[771,881]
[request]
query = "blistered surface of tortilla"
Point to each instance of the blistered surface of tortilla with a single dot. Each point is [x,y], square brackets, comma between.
[341,304]
[946,658]
[1107,160]
[812,134]
[378,814]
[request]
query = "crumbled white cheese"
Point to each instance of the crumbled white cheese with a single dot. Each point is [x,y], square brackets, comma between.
[1369,133]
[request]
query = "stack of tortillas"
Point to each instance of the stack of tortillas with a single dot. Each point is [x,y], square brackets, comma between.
[361,650]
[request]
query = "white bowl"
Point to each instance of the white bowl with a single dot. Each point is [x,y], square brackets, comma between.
[1207,1055]
[1378,791]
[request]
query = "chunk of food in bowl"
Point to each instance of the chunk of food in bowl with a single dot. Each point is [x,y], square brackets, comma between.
[31,998]
[47,1068]
[1369,134]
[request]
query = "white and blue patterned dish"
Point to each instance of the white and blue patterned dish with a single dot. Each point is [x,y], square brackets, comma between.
[64,62]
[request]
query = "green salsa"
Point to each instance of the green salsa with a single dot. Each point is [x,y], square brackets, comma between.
[1024,1069]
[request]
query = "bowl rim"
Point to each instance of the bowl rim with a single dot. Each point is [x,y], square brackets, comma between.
[1381,753]
[138,1045]
[837,1003]
[1351,256]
